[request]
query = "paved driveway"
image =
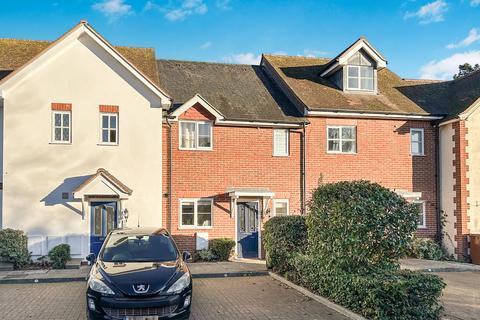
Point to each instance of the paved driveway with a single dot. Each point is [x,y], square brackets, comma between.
[224,298]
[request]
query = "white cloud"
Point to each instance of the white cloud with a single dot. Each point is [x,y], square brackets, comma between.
[205,45]
[475,3]
[243,58]
[223,4]
[473,36]
[113,8]
[431,12]
[310,53]
[187,8]
[446,68]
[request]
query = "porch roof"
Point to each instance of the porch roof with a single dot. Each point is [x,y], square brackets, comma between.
[102,183]
[236,192]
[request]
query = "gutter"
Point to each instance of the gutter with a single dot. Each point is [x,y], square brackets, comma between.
[342,114]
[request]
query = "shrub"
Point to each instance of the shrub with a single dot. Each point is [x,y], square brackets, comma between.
[283,237]
[59,256]
[424,248]
[13,247]
[204,255]
[359,226]
[397,294]
[221,248]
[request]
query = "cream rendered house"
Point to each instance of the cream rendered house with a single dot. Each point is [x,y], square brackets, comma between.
[82,140]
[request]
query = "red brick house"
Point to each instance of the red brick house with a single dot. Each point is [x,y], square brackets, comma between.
[244,143]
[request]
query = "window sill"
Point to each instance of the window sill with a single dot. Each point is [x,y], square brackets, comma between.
[194,228]
[281,155]
[107,144]
[422,227]
[60,143]
[417,155]
[342,153]
[196,149]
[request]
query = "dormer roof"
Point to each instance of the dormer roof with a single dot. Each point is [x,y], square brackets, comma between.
[342,58]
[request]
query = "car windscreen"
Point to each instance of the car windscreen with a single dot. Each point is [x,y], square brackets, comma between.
[139,248]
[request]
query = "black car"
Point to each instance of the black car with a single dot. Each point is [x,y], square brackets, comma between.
[139,274]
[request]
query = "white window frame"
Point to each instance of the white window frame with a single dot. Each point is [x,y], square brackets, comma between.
[196,135]
[54,112]
[422,135]
[341,139]
[117,135]
[359,78]
[287,149]
[275,201]
[195,213]
[424,208]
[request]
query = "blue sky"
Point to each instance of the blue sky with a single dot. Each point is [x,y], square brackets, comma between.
[419,38]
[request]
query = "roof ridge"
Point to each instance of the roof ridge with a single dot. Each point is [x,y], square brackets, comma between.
[210,62]
[294,56]
[26,40]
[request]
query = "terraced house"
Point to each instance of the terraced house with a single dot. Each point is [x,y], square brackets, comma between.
[96,137]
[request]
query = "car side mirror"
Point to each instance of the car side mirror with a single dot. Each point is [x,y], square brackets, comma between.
[91,258]
[186,255]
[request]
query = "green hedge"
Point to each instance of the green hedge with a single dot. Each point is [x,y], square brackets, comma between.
[360,226]
[13,247]
[397,294]
[221,248]
[59,256]
[424,248]
[284,236]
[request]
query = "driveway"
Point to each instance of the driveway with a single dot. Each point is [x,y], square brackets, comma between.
[461,297]
[219,298]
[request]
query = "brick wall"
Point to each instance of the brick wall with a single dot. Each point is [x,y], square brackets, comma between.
[243,157]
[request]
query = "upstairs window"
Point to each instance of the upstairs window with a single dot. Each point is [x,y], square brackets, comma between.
[416,142]
[280,142]
[195,135]
[109,128]
[341,139]
[61,126]
[360,75]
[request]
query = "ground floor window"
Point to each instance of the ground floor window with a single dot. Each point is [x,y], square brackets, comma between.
[196,213]
[280,207]
[422,219]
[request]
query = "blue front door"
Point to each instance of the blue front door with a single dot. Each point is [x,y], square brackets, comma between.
[103,220]
[247,215]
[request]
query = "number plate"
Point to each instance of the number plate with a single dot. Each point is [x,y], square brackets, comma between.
[142,318]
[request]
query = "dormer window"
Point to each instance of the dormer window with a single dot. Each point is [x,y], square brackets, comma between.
[360,74]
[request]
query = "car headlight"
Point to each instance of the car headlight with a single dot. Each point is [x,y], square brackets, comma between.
[99,286]
[180,284]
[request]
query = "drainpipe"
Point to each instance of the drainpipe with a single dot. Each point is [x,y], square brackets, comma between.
[303,182]
[438,235]
[170,171]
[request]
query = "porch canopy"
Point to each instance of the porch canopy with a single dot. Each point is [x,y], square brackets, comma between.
[102,184]
[239,192]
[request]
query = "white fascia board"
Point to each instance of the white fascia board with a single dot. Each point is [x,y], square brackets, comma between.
[193,101]
[381,62]
[236,194]
[258,124]
[369,115]
[332,67]
[448,122]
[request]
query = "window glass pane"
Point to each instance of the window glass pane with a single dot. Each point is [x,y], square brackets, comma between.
[113,136]
[204,213]
[280,142]
[241,218]
[66,120]
[416,135]
[97,221]
[204,220]
[353,83]
[366,72]
[110,218]
[415,148]
[58,119]
[204,139]
[187,132]
[348,133]
[252,221]
[66,134]
[104,135]
[113,121]
[58,134]
[187,213]
[353,72]
[105,121]
[366,84]
[348,146]
[421,213]
[333,145]
[281,208]
[333,133]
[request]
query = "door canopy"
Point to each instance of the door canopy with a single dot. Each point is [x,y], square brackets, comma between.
[102,184]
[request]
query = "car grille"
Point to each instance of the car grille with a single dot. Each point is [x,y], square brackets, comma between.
[142,312]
